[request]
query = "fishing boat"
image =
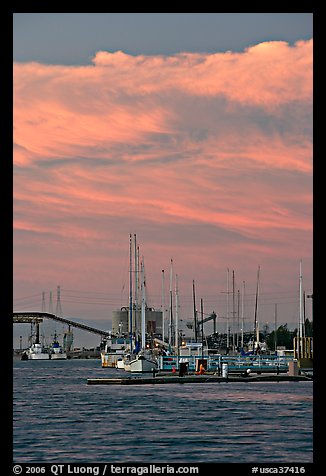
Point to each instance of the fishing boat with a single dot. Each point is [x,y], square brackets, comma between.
[110,359]
[114,352]
[56,351]
[36,350]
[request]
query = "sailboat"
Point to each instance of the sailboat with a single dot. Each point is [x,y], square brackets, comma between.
[144,361]
[256,343]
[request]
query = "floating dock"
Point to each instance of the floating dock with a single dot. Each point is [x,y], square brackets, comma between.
[196,379]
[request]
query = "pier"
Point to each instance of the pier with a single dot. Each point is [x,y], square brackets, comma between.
[196,379]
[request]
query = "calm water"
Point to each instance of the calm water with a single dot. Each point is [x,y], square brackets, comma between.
[59,418]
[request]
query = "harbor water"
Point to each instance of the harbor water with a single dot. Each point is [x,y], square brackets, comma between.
[58,418]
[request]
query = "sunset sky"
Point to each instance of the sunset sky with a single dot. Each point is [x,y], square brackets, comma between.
[193,131]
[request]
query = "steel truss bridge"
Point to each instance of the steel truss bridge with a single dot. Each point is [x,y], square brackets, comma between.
[37,317]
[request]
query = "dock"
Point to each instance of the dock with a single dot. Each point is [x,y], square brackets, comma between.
[196,379]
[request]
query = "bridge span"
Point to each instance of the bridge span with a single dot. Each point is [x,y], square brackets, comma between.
[37,317]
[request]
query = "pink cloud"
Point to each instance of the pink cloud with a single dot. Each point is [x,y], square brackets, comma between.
[190,148]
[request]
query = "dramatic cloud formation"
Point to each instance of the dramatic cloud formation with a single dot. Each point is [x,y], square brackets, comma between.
[207,157]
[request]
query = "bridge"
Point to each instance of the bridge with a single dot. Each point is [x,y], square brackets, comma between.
[191,324]
[37,317]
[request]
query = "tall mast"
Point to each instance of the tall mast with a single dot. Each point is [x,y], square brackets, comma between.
[130,291]
[242,311]
[304,315]
[136,317]
[195,310]
[163,307]
[233,311]
[300,302]
[227,309]
[275,337]
[143,306]
[171,304]
[238,319]
[176,332]
[300,343]
[256,326]
[202,326]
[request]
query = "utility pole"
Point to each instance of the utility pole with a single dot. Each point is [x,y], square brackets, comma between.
[43,301]
[58,310]
[50,303]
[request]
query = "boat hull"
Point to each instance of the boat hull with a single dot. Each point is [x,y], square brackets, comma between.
[59,356]
[36,352]
[142,365]
[38,357]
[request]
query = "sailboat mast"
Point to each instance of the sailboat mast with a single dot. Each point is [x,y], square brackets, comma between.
[300,340]
[227,308]
[275,337]
[242,311]
[202,327]
[136,317]
[130,292]
[233,312]
[300,303]
[171,304]
[238,316]
[256,327]
[143,306]
[163,307]
[195,310]
[176,334]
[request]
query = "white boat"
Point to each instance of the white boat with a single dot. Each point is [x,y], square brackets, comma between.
[142,363]
[113,352]
[56,351]
[36,352]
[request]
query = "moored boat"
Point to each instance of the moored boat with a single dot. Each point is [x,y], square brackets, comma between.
[36,352]
[142,363]
[56,351]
